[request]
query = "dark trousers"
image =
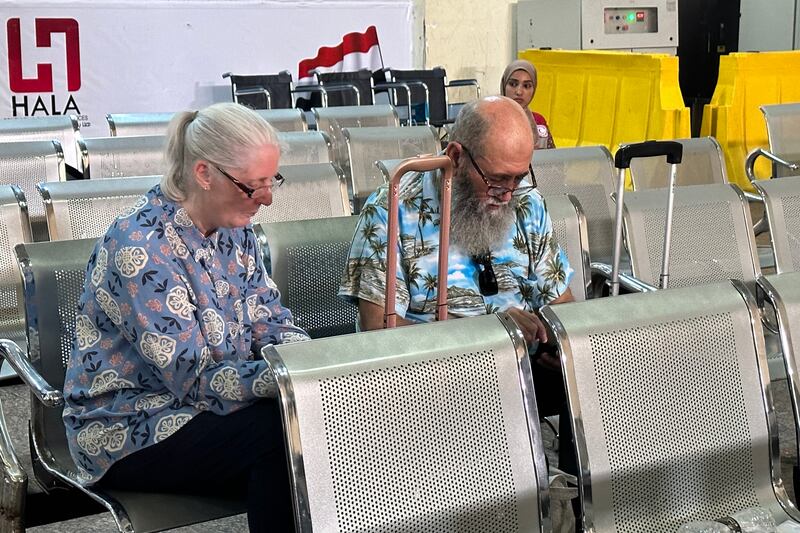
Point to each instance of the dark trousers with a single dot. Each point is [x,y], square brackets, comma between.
[240,453]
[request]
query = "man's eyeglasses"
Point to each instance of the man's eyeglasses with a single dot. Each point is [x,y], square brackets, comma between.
[494,183]
[487,281]
[277,181]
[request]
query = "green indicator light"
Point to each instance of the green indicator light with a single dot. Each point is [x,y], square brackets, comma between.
[631,17]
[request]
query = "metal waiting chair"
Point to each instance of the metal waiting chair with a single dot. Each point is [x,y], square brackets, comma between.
[306,259]
[782,207]
[703,163]
[569,230]
[117,157]
[425,92]
[262,91]
[305,147]
[130,124]
[27,163]
[783,132]
[465,455]
[670,405]
[14,229]
[310,191]
[365,146]
[332,120]
[85,209]
[53,274]
[586,172]
[63,129]
[712,237]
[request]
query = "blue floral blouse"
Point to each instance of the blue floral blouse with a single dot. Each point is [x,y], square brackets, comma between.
[530,267]
[164,331]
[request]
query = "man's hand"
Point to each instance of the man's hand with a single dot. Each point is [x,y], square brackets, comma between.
[532,328]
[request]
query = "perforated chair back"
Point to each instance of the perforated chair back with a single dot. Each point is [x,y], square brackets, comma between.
[310,191]
[703,163]
[130,124]
[14,229]
[667,396]
[569,230]
[365,146]
[262,91]
[63,129]
[712,235]
[783,132]
[360,79]
[53,274]
[333,120]
[306,259]
[117,157]
[85,209]
[782,207]
[305,147]
[587,173]
[464,455]
[27,163]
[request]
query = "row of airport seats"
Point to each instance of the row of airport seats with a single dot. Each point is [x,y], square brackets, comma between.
[658,443]
[421,96]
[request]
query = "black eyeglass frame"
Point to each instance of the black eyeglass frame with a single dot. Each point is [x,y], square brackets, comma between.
[277,180]
[487,280]
[516,191]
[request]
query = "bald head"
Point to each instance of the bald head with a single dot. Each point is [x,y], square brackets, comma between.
[484,124]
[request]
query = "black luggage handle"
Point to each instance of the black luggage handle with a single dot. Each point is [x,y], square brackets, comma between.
[672,149]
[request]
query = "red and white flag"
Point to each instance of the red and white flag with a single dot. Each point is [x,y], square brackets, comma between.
[355,52]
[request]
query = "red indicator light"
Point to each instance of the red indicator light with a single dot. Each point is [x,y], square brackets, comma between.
[639,16]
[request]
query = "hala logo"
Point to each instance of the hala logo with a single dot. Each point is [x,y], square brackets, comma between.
[43,82]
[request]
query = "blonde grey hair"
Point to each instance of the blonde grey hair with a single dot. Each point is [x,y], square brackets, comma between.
[223,134]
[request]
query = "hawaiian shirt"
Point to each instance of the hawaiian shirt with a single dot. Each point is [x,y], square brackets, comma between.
[164,331]
[530,267]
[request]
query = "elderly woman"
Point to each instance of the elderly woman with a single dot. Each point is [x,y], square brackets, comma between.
[519,83]
[162,389]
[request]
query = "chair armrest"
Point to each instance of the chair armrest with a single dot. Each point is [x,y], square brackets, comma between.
[46,394]
[753,198]
[750,162]
[626,281]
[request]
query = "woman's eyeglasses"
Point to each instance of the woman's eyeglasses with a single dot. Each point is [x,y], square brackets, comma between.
[487,281]
[277,181]
[494,183]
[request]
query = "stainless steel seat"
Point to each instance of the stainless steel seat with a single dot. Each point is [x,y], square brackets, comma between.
[129,124]
[587,173]
[671,408]
[63,128]
[422,428]
[569,230]
[783,132]
[306,259]
[703,163]
[310,191]
[26,164]
[86,208]
[53,274]
[117,157]
[365,146]
[305,147]
[782,205]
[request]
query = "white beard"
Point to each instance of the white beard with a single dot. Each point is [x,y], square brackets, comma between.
[475,229]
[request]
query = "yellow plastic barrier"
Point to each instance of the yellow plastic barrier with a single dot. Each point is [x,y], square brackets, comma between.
[747,81]
[608,98]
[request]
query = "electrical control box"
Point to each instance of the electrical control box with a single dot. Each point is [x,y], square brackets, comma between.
[635,25]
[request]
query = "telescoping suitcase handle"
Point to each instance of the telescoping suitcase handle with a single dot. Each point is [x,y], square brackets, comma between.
[622,160]
[672,149]
[418,164]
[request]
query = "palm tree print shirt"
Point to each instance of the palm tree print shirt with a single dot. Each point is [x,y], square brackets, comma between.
[164,330]
[531,268]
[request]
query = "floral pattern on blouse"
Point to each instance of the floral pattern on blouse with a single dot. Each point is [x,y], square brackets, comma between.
[531,268]
[164,331]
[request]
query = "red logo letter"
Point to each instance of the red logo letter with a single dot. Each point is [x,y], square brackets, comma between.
[43,82]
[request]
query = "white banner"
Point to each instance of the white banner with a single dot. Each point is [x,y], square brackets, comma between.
[91,58]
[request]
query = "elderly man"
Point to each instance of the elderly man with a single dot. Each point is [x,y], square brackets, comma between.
[503,255]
